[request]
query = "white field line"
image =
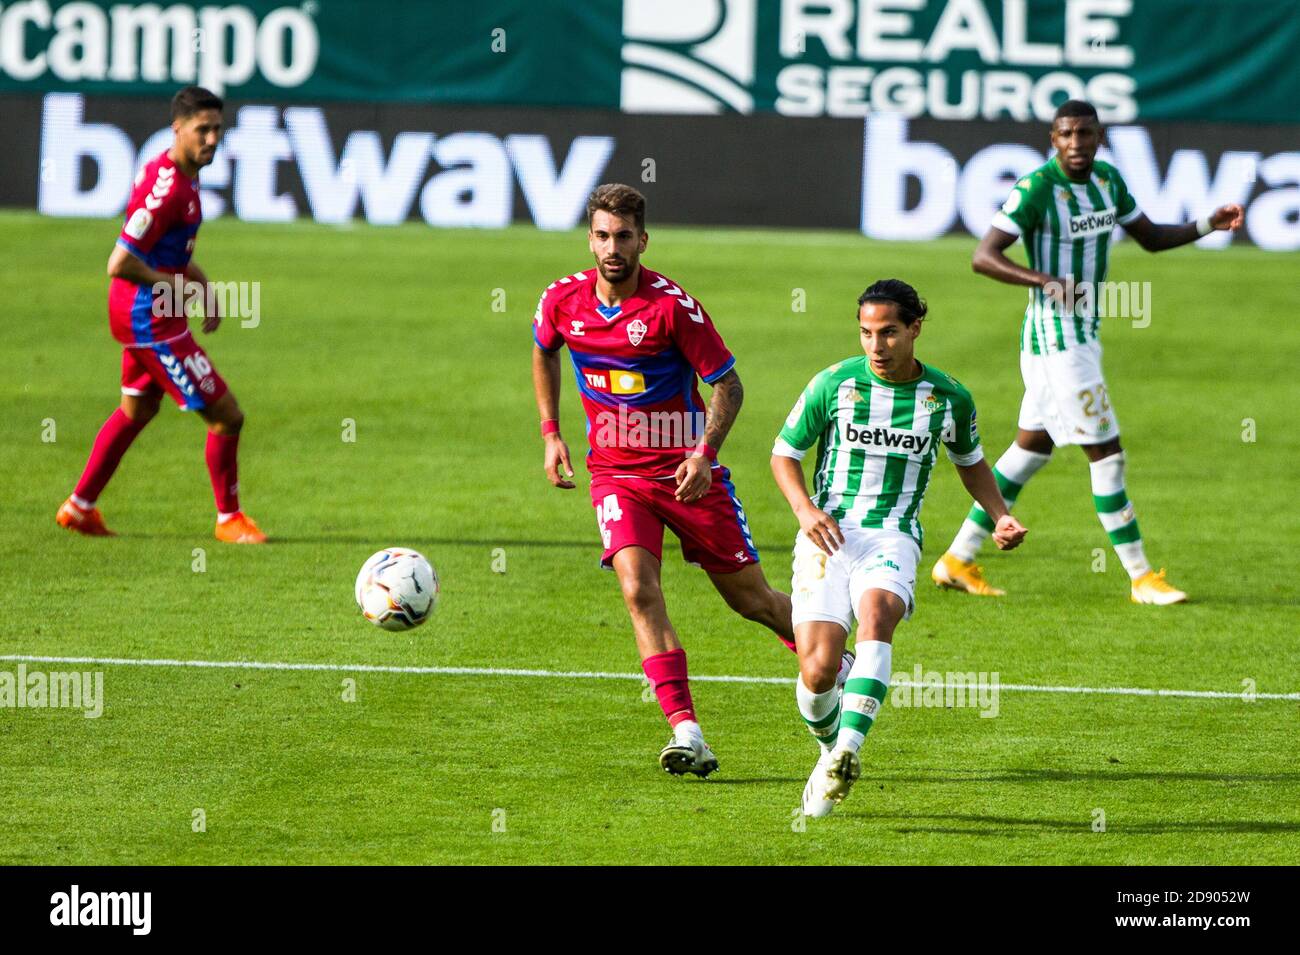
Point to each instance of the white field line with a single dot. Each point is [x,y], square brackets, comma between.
[596,675]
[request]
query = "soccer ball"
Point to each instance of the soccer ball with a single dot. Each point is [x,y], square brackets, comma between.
[397,589]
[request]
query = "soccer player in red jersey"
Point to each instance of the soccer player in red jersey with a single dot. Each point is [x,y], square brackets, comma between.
[637,341]
[151,258]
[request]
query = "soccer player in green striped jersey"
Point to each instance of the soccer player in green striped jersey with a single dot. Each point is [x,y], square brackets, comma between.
[877,420]
[1066,212]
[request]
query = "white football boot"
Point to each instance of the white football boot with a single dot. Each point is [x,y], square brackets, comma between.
[831,780]
[683,756]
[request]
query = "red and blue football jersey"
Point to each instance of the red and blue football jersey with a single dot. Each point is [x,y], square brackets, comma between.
[162,221]
[636,366]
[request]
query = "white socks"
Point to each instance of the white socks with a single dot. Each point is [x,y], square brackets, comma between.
[1116,513]
[821,711]
[864,693]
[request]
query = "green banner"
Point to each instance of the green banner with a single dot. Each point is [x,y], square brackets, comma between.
[1220,60]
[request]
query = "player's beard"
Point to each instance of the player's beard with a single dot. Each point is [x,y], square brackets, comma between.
[625,270]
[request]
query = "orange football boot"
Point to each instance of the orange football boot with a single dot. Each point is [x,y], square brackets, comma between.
[240,529]
[90,523]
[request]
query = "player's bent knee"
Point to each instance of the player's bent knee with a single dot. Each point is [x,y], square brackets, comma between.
[753,606]
[225,417]
[819,675]
[140,408]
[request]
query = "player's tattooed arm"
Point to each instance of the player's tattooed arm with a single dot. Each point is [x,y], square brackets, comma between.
[1157,238]
[724,405]
[695,474]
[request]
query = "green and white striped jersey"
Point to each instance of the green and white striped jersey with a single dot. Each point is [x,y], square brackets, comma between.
[1066,227]
[877,441]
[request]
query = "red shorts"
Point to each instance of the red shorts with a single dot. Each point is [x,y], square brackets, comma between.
[633,511]
[178,367]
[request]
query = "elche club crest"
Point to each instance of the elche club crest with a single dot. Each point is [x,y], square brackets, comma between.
[636,331]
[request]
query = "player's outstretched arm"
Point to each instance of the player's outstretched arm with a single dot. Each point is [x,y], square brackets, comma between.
[981,485]
[1157,238]
[820,527]
[546,388]
[695,474]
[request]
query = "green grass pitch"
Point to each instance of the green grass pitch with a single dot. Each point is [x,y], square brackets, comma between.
[395,330]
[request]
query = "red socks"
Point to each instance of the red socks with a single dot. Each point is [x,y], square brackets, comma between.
[223,468]
[116,436]
[667,674]
[111,443]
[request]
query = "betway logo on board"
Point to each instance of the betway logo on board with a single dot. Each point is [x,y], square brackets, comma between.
[854,57]
[176,44]
[1184,189]
[463,178]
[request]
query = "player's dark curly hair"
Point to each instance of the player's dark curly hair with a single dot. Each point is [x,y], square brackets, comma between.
[1074,107]
[911,307]
[617,199]
[194,99]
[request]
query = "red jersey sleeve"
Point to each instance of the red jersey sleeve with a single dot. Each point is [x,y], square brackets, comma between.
[698,340]
[545,332]
[155,207]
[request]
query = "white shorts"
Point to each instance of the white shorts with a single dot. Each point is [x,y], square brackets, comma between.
[831,588]
[1065,395]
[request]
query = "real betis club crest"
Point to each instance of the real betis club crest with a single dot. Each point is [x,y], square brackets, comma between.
[636,331]
[932,404]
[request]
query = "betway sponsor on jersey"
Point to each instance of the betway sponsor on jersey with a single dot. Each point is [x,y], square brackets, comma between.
[457,178]
[884,440]
[1090,223]
[176,44]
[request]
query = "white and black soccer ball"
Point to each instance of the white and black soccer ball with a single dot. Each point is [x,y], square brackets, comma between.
[397,589]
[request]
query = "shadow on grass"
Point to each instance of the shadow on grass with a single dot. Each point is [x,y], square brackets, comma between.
[1084,775]
[958,824]
[406,540]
